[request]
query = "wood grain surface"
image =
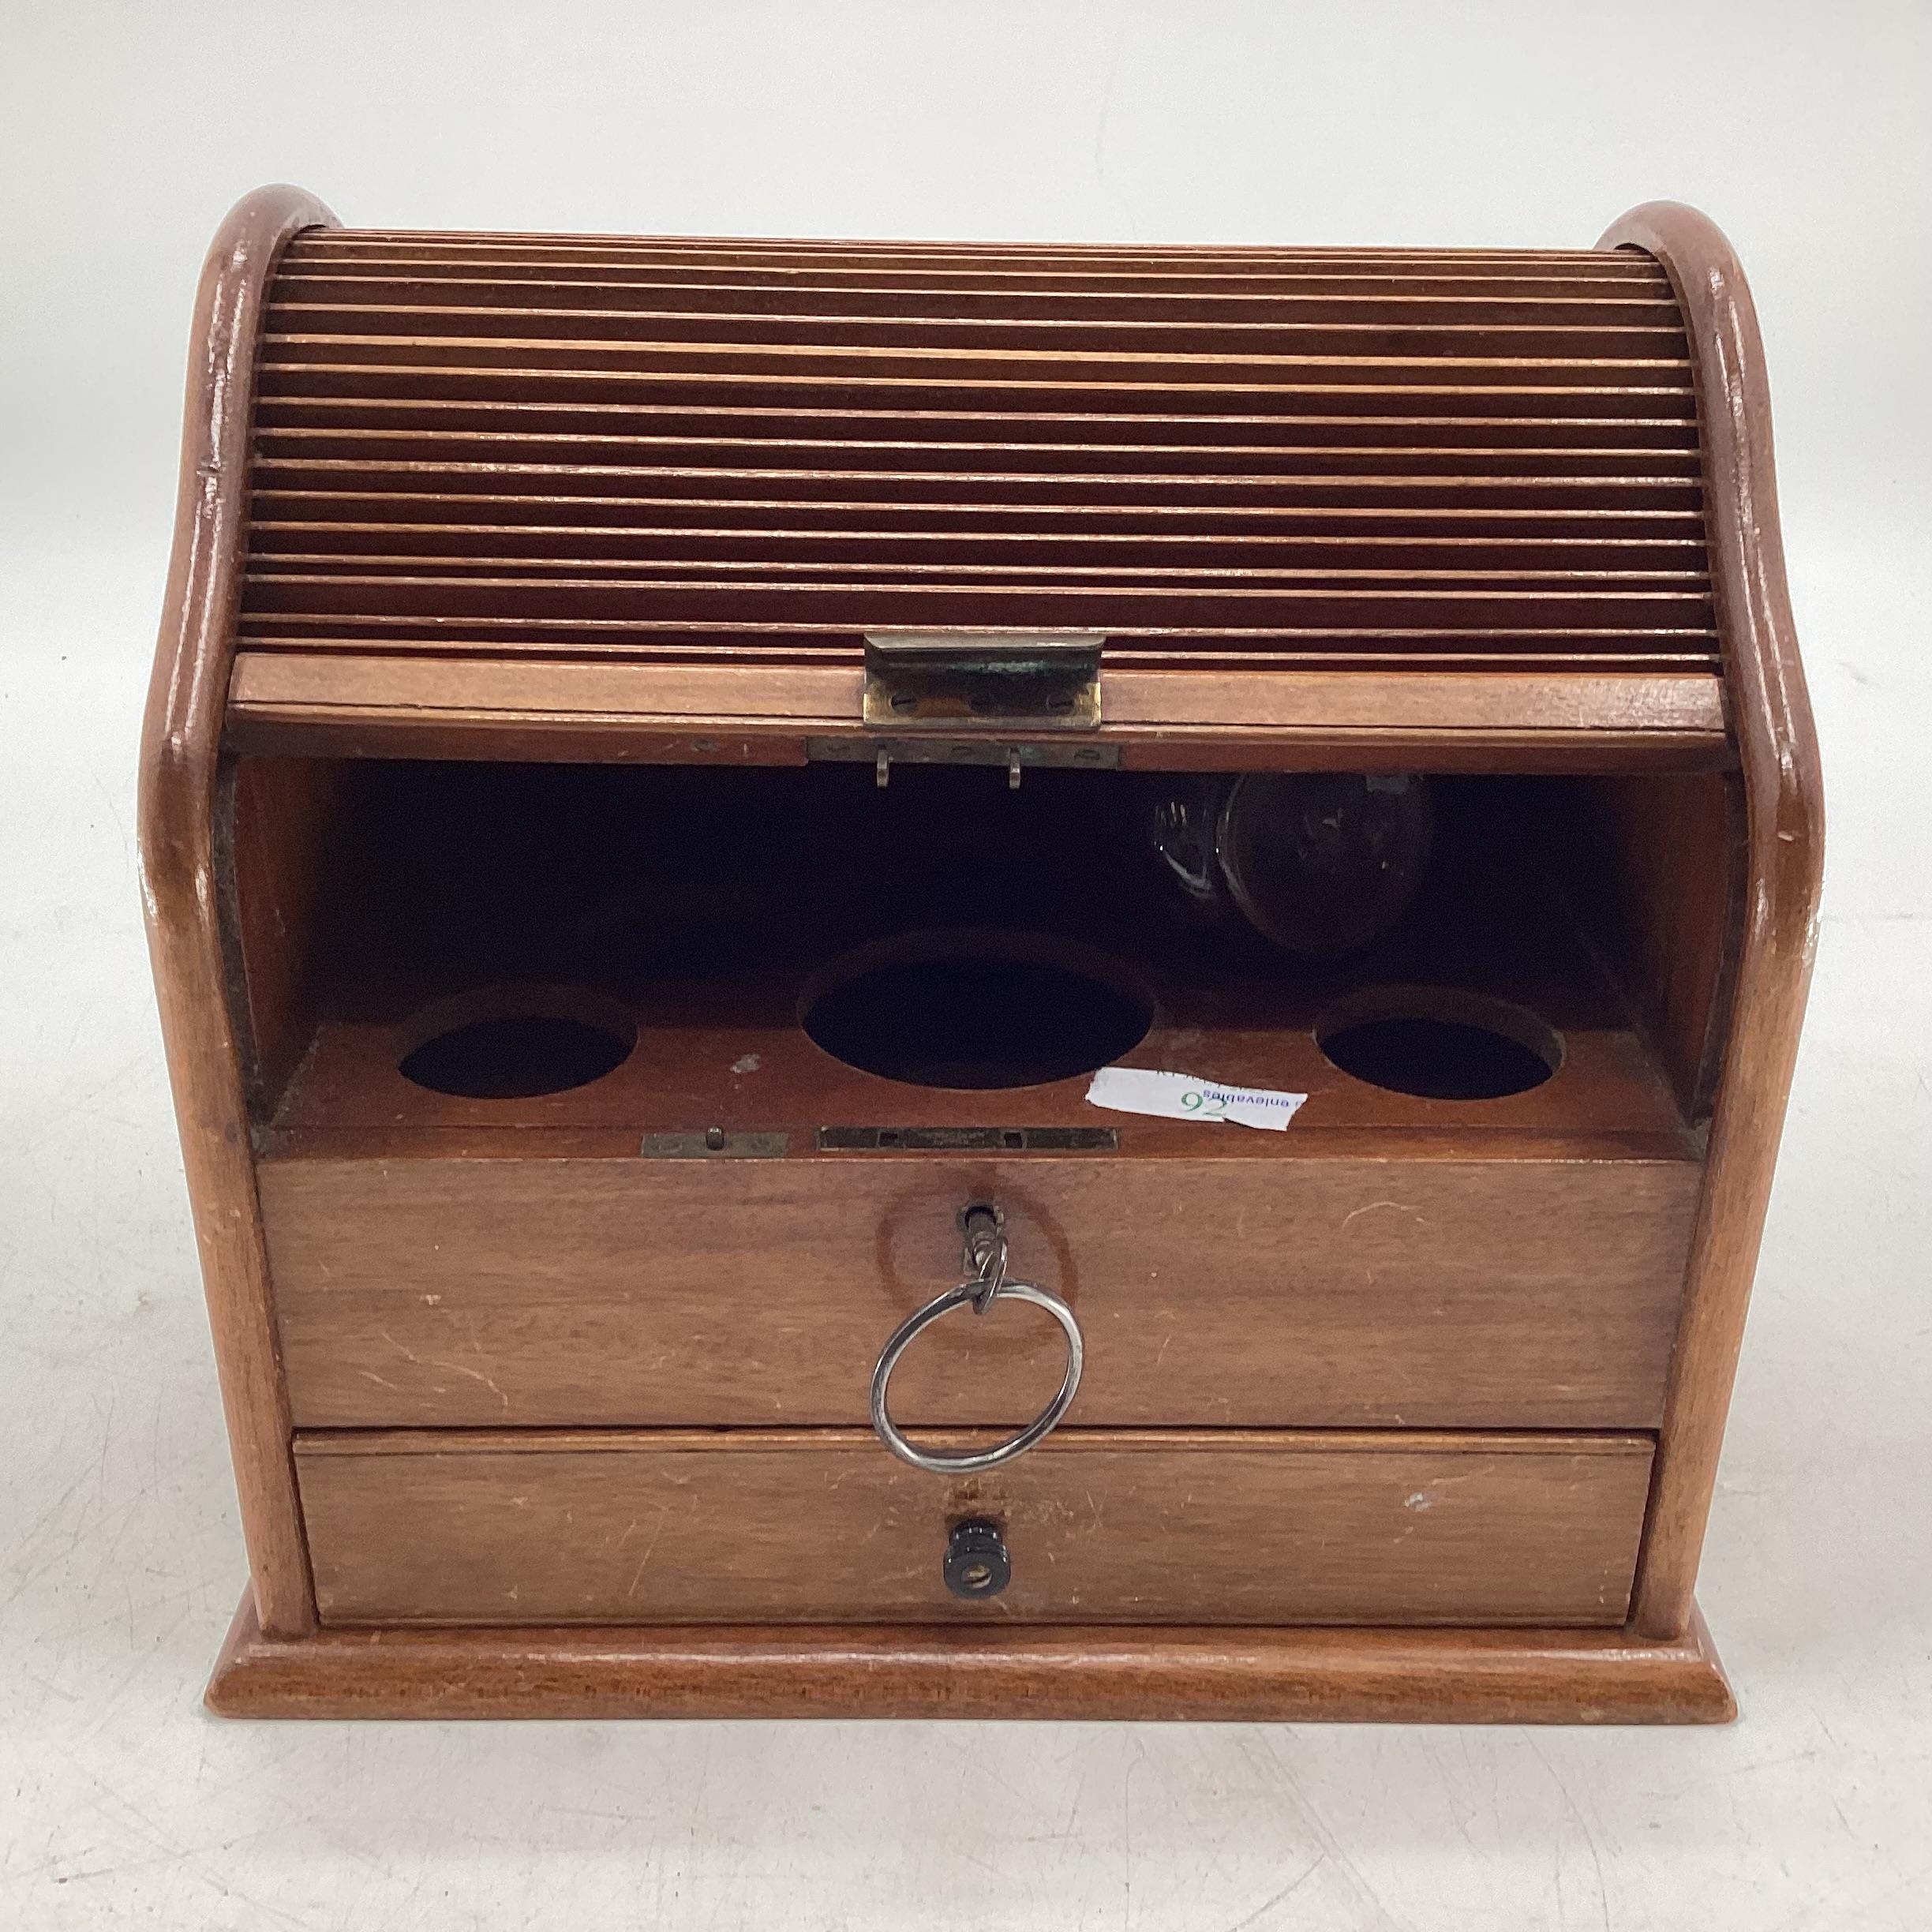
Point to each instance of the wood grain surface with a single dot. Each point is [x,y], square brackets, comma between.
[183,883]
[367,704]
[1227,1674]
[1655,872]
[1783,865]
[1610,1093]
[1308,1292]
[784,1526]
[518,490]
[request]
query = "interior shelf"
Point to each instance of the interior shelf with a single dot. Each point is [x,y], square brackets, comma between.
[695,919]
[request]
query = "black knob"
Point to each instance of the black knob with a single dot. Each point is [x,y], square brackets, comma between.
[976,1563]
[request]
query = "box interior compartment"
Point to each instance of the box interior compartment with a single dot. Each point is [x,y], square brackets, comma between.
[610,950]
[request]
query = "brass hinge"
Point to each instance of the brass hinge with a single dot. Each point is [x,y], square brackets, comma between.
[968,1140]
[715,1143]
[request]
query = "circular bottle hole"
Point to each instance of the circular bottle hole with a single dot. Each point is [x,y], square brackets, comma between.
[970,1009]
[514,1042]
[1439,1044]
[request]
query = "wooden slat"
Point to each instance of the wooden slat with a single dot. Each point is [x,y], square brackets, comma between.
[378,694]
[1372,393]
[1127,608]
[922,517]
[985,489]
[1096,427]
[554,568]
[710,248]
[669,544]
[395,282]
[511,450]
[1110,267]
[1349,337]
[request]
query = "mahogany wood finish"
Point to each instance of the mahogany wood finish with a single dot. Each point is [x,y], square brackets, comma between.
[518,482]
[1153,1526]
[1412,1411]
[1610,1094]
[507,1292]
[277,828]
[1784,866]
[1665,865]
[1565,1676]
[181,745]
[373,705]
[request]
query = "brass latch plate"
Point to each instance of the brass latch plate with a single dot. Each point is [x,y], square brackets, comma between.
[1042,680]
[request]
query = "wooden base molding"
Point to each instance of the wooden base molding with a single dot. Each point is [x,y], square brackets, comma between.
[1393,1676]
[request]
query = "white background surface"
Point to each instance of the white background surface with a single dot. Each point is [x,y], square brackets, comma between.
[124,133]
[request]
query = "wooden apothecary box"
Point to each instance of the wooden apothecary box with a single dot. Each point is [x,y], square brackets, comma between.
[661,761]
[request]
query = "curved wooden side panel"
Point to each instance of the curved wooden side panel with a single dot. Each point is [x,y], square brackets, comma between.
[180,740]
[1778,752]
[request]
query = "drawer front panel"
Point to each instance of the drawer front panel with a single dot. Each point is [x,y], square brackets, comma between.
[1299,1293]
[1240,1527]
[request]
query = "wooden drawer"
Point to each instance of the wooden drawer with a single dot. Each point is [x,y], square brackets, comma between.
[1306,1293]
[1153,1527]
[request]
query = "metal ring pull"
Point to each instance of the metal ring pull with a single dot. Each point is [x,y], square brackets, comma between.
[985,1253]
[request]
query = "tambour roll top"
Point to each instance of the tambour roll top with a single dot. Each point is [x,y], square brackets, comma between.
[574,467]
